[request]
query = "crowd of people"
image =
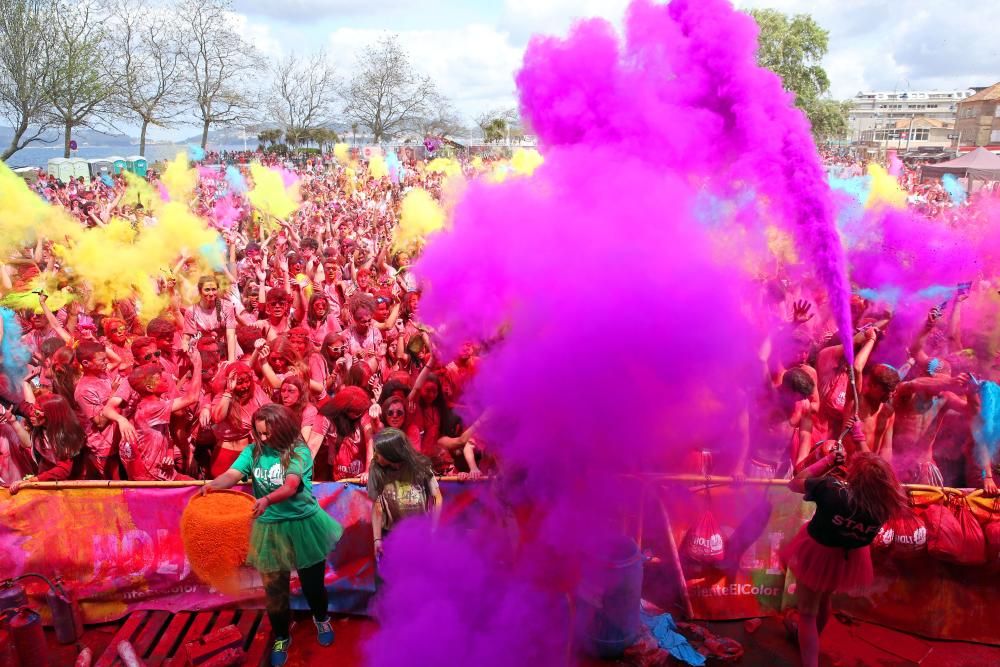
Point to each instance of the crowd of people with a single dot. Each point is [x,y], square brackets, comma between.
[320,314]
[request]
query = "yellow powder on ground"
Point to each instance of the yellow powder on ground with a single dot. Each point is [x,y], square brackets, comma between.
[215,529]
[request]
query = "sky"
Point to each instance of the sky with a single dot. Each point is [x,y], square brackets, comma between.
[472,48]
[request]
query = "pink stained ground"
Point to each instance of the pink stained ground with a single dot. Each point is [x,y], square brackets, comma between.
[842,646]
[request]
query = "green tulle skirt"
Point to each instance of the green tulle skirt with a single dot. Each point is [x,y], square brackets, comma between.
[284,546]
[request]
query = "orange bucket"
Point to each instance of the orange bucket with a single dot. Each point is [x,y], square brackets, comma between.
[215,530]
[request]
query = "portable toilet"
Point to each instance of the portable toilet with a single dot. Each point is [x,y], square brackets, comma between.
[101,165]
[61,168]
[137,165]
[119,164]
[80,167]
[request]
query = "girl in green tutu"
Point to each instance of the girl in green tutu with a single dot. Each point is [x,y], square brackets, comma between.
[291,531]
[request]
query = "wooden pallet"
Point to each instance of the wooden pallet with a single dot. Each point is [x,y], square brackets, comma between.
[159,636]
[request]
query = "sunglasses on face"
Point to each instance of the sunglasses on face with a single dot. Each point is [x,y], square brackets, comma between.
[151,355]
[337,349]
[395,413]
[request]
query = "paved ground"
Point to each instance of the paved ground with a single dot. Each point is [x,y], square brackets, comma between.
[855,645]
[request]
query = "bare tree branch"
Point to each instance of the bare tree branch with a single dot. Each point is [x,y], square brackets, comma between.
[81,77]
[303,93]
[387,95]
[25,33]
[148,57]
[219,65]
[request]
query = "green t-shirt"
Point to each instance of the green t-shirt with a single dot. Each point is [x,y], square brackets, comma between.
[267,475]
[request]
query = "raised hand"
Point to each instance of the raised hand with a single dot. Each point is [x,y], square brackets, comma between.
[801,312]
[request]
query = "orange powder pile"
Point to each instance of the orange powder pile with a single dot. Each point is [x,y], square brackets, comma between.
[215,529]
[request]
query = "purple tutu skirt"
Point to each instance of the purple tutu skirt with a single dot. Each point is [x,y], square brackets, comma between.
[828,569]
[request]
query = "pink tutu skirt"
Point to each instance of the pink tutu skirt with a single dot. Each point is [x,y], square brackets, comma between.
[828,569]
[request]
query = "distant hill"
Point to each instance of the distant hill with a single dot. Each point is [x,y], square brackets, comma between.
[84,136]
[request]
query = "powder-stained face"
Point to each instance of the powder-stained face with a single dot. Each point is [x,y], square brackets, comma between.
[147,354]
[289,394]
[244,384]
[362,321]
[209,293]
[118,335]
[157,385]
[263,431]
[429,392]
[395,416]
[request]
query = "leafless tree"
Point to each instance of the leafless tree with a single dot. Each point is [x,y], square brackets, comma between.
[25,32]
[303,92]
[147,52]
[81,79]
[443,120]
[387,94]
[219,64]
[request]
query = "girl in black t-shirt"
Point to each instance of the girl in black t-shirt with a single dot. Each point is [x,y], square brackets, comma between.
[831,552]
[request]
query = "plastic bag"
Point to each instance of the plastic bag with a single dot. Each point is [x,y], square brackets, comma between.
[953,534]
[991,533]
[703,542]
[906,534]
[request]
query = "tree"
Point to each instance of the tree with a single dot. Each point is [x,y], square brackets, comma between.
[324,137]
[219,63]
[25,34]
[303,92]
[81,79]
[271,136]
[829,118]
[793,48]
[443,121]
[497,125]
[387,95]
[147,53]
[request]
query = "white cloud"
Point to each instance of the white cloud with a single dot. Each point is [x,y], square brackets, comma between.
[922,44]
[257,34]
[310,11]
[472,65]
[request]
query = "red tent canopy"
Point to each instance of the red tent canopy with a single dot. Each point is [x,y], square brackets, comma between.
[979,164]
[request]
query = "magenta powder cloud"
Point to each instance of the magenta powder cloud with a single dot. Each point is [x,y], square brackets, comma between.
[629,325]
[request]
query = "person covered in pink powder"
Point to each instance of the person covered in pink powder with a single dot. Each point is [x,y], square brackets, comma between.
[831,553]
[97,400]
[154,455]
[57,441]
[211,316]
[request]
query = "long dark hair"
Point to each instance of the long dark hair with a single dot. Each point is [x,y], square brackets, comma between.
[65,374]
[310,317]
[62,427]
[284,430]
[875,491]
[342,423]
[393,445]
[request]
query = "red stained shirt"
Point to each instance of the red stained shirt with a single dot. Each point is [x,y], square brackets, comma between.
[152,457]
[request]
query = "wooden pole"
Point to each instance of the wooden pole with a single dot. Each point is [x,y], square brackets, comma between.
[174,484]
[646,477]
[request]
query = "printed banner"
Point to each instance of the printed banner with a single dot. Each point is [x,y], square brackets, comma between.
[921,594]
[120,550]
[728,542]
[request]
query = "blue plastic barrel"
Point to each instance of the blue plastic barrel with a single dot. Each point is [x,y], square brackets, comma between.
[607,603]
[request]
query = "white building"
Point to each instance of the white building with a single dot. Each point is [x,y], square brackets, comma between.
[871,111]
